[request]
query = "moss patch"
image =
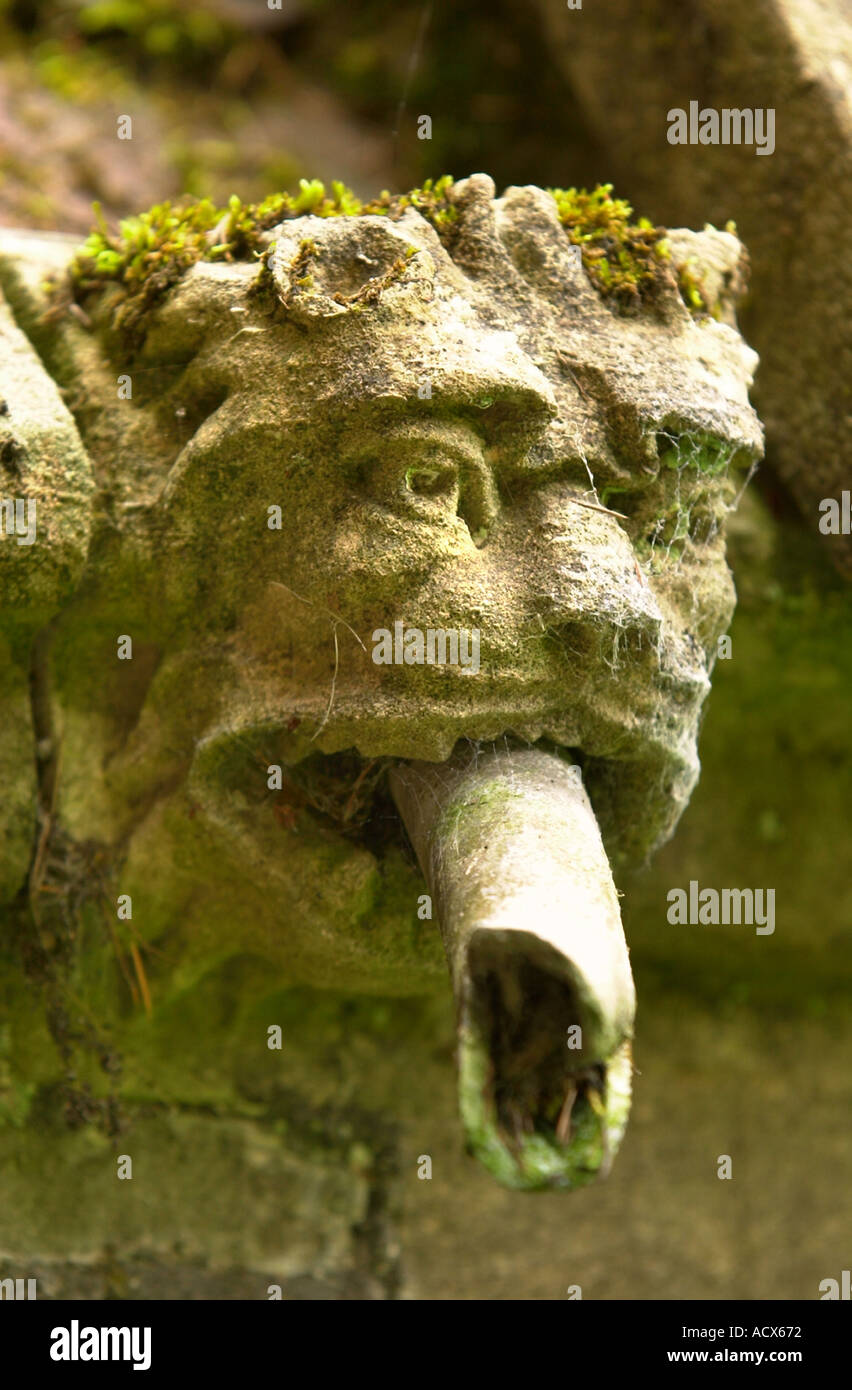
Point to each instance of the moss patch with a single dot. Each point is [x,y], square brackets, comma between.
[153,250]
[541,1160]
[626,261]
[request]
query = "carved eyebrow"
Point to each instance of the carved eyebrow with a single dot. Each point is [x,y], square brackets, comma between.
[454,440]
[492,411]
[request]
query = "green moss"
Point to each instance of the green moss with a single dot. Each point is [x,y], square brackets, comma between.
[149,255]
[703,452]
[153,250]
[300,274]
[687,500]
[692,291]
[625,260]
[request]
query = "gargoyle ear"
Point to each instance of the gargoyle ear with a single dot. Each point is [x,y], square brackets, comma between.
[327,267]
[712,269]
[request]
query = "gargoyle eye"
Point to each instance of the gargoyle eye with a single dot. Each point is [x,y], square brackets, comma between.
[430,480]
[410,478]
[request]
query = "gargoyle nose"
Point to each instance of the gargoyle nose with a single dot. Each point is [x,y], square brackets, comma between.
[479,501]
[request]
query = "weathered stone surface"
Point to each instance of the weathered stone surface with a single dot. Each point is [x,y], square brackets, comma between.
[45,495]
[539,399]
[629,66]
[231,1158]
[43,462]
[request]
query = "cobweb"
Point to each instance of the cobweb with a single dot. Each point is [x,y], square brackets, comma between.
[686,458]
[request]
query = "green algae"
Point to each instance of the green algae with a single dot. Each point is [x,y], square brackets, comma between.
[694,449]
[686,502]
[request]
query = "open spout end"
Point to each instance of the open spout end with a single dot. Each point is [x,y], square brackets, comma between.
[544,1079]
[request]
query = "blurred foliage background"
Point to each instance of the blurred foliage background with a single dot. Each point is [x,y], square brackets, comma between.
[232,96]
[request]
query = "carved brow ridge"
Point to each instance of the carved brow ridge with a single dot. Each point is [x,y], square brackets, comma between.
[491,407]
[453,436]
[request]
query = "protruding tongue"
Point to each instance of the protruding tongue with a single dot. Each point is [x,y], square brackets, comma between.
[514,861]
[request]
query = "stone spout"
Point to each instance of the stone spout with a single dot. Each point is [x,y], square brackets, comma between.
[511,851]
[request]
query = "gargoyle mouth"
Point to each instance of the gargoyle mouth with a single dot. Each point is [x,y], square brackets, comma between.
[521,887]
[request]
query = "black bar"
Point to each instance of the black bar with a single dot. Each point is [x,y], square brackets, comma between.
[250,1340]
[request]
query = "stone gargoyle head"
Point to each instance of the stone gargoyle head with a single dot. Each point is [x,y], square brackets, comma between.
[381,547]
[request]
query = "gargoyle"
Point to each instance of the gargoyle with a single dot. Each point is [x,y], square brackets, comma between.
[386,421]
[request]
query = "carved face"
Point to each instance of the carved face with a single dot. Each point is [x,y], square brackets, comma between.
[397,436]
